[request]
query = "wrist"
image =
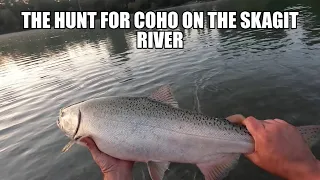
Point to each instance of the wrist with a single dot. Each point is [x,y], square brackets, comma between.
[311,172]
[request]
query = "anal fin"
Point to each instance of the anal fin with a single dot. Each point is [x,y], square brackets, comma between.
[220,169]
[157,169]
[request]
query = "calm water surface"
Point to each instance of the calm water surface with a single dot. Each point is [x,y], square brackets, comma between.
[265,73]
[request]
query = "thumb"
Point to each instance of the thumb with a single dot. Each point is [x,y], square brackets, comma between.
[237,118]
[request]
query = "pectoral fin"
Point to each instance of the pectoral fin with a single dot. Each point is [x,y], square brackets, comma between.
[157,169]
[68,146]
[219,169]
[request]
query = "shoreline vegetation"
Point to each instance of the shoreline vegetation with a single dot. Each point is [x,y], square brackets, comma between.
[12,21]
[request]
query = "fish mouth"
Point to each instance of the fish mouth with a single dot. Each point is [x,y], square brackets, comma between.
[58,123]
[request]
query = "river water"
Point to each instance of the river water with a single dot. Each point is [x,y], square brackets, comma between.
[264,73]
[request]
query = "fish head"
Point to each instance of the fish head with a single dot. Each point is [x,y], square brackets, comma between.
[69,121]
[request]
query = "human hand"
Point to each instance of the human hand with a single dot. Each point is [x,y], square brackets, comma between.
[112,168]
[280,149]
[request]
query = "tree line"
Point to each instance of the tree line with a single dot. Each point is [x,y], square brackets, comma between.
[11,19]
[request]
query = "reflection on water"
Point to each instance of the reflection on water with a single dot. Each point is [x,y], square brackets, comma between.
[265,73]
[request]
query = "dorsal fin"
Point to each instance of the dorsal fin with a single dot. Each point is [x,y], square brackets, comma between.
[164,95]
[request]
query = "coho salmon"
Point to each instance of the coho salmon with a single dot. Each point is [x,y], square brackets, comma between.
[156,131]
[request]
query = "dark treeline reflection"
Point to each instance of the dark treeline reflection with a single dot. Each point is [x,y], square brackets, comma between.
[10,19]
[41,43]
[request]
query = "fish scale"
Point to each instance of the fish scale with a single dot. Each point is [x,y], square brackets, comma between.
[141,109]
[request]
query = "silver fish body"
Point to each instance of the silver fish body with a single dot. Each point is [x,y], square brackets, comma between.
[140,129]
[154,130]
